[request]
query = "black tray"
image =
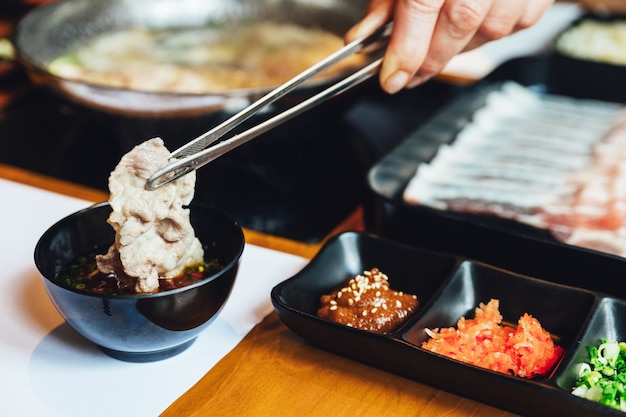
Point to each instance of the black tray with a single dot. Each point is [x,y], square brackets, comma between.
[499,242]
[449,287]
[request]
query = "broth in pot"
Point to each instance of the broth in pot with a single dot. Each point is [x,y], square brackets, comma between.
[201,60]
[180,57]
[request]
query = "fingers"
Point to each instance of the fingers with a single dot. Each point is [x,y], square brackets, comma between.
[534,10]
[377,13]
[413,30]
[456,25]
[428,33]
[502,21]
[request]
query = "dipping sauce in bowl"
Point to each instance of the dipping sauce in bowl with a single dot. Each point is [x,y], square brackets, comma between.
[82,274]
[143,327]
[114,297]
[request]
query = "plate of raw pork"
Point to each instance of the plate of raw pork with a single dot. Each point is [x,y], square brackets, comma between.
[524,170]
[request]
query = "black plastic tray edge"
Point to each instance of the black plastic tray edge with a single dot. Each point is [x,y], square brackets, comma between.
[537,398]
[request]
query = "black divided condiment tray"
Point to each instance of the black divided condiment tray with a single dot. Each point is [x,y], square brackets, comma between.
[449,287]
[500,242]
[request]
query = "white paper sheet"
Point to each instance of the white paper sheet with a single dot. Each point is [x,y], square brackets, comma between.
[47,369]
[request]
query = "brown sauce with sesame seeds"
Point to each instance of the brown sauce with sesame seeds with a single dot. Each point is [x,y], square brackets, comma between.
[367,302]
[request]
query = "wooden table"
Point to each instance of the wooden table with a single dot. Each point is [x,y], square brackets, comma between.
[274,372]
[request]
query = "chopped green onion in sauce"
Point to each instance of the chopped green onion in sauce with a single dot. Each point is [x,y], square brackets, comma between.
[82,274]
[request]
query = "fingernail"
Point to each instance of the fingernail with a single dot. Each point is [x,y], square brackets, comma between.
[418,80]
[396,82]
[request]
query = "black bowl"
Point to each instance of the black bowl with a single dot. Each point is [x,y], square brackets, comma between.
[139,328]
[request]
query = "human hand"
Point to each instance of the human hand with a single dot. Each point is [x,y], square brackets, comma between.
[428,33]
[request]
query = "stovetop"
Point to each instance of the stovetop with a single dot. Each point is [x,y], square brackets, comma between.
[298,181]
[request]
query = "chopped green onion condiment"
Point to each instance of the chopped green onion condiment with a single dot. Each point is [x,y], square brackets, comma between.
[82,274]
[603,378]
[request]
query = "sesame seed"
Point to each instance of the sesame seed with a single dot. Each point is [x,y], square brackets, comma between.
[333,307]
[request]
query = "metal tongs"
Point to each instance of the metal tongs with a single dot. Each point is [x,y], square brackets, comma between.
[198,152]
